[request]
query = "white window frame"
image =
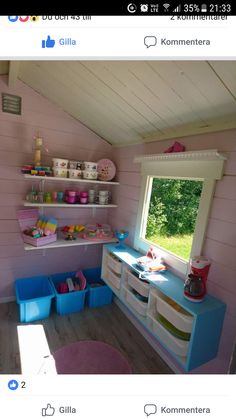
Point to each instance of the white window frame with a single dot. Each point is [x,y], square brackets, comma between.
[206,166]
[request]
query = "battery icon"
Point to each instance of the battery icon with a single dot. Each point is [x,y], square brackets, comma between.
[204,8]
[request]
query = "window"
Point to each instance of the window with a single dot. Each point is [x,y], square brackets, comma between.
[172,214]
[175,199]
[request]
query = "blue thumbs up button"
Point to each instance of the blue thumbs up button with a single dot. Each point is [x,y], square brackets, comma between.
[48,43]
[13,385]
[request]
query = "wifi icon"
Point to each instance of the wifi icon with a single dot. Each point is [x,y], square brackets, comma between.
[166,6]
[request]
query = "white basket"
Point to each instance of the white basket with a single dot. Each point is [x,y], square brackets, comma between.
[137,284]
[178,346]
[114,264]
[180,319]
[113,279]
[139,306]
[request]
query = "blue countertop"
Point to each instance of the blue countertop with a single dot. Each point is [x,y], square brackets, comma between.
[167,282]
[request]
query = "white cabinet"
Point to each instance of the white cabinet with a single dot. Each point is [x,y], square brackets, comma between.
[190,332]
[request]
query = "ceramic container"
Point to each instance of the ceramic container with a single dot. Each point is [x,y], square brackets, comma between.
[92,175]
[102,200]
[91,197]
[83,196]
[60,163]
[90,166]
[58,172]
[103,193]
[72,164]
[75,174]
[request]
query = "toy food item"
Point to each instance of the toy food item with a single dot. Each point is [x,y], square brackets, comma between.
[73,228]
[50,227]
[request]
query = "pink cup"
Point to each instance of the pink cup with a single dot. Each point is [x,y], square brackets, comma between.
[71,193]
[71,199]
[54,196]
[83,194]
[84,200]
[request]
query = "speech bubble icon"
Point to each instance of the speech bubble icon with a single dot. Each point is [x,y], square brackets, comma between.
[150,41]
[150,409]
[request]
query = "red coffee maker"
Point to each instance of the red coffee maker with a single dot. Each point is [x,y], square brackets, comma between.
[195,284]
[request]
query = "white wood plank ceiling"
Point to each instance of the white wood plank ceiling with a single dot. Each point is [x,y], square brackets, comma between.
[128,102]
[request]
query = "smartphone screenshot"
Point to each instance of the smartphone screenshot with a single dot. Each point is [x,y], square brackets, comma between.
[117,211]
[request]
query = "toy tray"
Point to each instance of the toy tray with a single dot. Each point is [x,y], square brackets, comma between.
[97,232]
[28,218]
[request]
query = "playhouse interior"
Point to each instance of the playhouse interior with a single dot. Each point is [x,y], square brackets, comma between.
[139,120]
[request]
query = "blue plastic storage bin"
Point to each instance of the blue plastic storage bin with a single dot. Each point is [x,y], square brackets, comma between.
[70,302]
[34,296]
[97,296]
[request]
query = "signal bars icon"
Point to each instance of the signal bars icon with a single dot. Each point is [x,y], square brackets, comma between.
[177,9]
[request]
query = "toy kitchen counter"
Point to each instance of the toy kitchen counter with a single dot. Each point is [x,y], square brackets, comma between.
[188,332]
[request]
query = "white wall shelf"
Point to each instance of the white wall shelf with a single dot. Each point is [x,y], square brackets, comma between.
[61,179]
[61,242]
[65,205]
[64,243]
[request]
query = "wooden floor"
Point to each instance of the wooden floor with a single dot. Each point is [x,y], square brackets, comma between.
[107,324]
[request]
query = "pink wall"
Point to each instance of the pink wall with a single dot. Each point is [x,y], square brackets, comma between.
[64,137]
[220,242]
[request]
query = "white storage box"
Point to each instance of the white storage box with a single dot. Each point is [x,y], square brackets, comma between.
[138,284]
[134,302]
[114,264]
[175,314]
[113,279]
[178,346]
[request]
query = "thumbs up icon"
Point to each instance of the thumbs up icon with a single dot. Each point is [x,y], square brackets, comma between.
[48,411]
[48,43]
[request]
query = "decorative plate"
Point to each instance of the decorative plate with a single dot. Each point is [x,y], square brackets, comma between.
[106,170]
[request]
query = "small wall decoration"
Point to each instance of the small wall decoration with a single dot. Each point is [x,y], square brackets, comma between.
[106,170]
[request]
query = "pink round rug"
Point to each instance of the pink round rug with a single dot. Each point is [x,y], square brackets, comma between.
[90,357]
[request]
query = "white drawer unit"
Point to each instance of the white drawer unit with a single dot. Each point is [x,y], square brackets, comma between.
[114,264]
[139,306]
[178,346]
[139,285]
[190,332]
